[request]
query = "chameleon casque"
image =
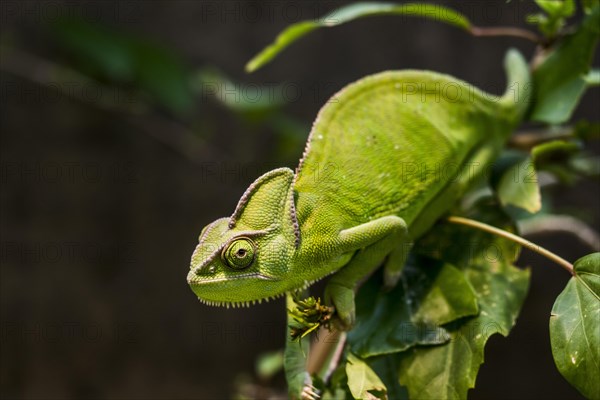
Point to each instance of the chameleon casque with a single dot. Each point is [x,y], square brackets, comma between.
[386,157]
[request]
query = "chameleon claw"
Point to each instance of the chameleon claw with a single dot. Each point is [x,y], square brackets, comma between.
[309,392]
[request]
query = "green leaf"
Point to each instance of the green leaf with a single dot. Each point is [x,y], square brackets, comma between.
[557,8]
[386,368]
[589,5]
[337,386]
[294,358]
[557,11]
[349,13]
[559,81]
[127,60]
[163,75]
[565,160]
[439,292]
[553,152]
[430,294]
[556,157]
[449,371]
[97,48]
[384,324]
[335,394]
[250,98]
[518,186]
[269,364]
[593,77]
[575,327]
[464,246]
[362,381]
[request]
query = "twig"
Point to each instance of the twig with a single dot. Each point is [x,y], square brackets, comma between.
[517,239]
[525,140]
[326,352]
[505,31]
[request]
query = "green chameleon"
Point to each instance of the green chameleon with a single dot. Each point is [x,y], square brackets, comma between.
[386,157]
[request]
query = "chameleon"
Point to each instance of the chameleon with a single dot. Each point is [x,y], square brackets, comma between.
[386,157]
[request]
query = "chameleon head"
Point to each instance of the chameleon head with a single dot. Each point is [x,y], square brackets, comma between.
[244,258]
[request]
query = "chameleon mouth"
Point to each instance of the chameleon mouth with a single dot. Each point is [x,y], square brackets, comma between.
[206,288]
[193,278]
[239,304]
[247,303]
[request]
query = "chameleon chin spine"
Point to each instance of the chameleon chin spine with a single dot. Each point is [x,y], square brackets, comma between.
[238,304]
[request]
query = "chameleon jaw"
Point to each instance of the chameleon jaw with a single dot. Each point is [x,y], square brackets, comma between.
[248,303]
[239,304]
[196,282]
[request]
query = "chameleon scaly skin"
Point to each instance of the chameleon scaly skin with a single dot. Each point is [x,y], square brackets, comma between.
[387,156]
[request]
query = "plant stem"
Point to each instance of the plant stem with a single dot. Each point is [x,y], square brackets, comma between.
[325,353]
[517,239]
[505,31]
[526,140]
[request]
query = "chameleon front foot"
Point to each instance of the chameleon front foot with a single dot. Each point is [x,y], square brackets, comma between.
[394,265]
[371,243]
[342,299]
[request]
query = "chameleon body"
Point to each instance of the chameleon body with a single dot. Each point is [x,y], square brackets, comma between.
[386,157]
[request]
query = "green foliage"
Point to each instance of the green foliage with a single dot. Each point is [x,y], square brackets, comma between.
[125,59]
[362,381]
[349,13]
[559,80]
[564,159]
[556,151]
[255,102]
[592,78]
[588,5]
[294,358]
[518,186]
[449,370]
[575,327]
[308,315]
[413,312]
[462,291]
[555,13]
[269,364]
[425,338]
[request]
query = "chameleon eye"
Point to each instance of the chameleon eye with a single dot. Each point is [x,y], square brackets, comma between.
[240,253]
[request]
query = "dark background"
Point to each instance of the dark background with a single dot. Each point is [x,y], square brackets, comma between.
[101,205]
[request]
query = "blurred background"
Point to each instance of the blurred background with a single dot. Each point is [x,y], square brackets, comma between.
[126,126]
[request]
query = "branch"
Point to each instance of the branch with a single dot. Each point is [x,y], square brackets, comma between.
[506,31]
[526,140]
[326,353]
[512,237]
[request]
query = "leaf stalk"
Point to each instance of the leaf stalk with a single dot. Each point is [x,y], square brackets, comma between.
[512,237]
